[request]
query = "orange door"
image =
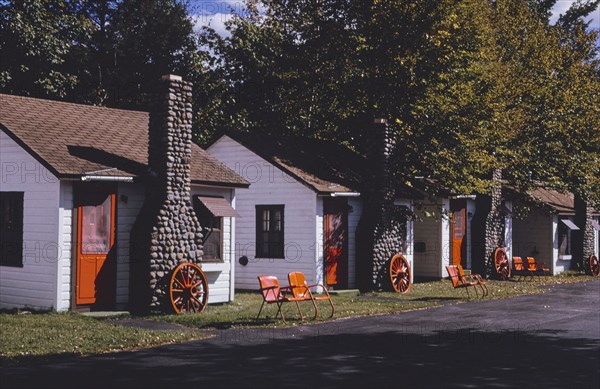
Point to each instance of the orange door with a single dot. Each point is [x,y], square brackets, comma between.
[336,242]
[95,245]
[458,231]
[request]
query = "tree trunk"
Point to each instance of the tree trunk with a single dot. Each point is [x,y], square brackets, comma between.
[493,223]
[583,239]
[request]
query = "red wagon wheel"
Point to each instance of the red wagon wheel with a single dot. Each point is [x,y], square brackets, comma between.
[594,266]
[502,264]
[188,289]
[400,274]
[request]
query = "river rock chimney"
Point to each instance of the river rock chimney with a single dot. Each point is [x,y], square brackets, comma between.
[167,231]
[382,228]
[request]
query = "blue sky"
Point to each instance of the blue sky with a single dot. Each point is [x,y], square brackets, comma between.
[216,13]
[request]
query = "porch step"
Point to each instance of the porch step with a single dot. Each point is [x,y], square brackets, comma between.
[345,292]
[106,314]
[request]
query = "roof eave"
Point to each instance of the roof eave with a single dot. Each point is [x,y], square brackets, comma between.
[221,184]
[29,150]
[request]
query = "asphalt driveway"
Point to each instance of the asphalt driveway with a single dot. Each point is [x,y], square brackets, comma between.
[549,340]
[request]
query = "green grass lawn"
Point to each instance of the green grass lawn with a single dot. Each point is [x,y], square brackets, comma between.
[242,312]
[45,334]
[32,336]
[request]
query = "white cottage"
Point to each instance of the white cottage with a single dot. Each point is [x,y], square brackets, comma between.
[451,230]
[546,232]
[301,211]
[71,174]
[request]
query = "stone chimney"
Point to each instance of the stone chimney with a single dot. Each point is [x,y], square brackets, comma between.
[167,231]
[382,226]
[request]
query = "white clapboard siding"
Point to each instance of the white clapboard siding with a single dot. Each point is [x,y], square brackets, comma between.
[560,263]
[35,284]
[508,231]
[430,231]
[597,238]
[127,213]
[269,186]
[435,232]
[533,236]
[220,281]
[130,198]
[65,233]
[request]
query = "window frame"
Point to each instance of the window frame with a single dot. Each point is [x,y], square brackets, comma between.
[203,214]
[16,258]
[277,252]
[563,227]
[213,231]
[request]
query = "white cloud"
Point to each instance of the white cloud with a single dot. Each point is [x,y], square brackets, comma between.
[215,21]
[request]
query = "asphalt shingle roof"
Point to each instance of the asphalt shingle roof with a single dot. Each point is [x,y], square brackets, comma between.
[324,166]
[74,139]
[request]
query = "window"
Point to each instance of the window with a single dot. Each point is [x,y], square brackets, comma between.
[564,235]
[11,229]
[212,227]
[210,211]
[269,231]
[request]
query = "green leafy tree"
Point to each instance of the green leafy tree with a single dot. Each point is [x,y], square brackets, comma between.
[37,40]
[150,38]
[100,52]
[475,90]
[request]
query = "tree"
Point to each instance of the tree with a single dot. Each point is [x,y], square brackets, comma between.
[150,38]
[100,52]
[472,89]
[37,41]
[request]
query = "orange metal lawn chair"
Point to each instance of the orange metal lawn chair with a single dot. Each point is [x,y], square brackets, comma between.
[520,269]
[537,268]
[302,291]
[273,293]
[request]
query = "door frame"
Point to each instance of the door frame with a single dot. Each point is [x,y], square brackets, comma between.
[78,187]
[342,272]
[455,206]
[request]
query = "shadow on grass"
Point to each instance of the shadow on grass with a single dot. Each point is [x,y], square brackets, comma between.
[320,356]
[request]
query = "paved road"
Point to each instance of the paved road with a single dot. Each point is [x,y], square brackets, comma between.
[550,340]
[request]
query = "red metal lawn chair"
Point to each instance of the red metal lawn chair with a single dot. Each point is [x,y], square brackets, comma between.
[473,277]
[273,293]
[458,282]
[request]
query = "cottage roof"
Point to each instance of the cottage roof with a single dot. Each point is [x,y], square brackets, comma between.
[72,140]
[562,203]
[557,202]
[324,166]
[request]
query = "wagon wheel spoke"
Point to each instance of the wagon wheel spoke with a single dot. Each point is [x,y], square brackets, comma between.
[400,273]
[501,263]
[594,266]
[200,303]
[181,279]
[188,278]
[195,285]
[188,288]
